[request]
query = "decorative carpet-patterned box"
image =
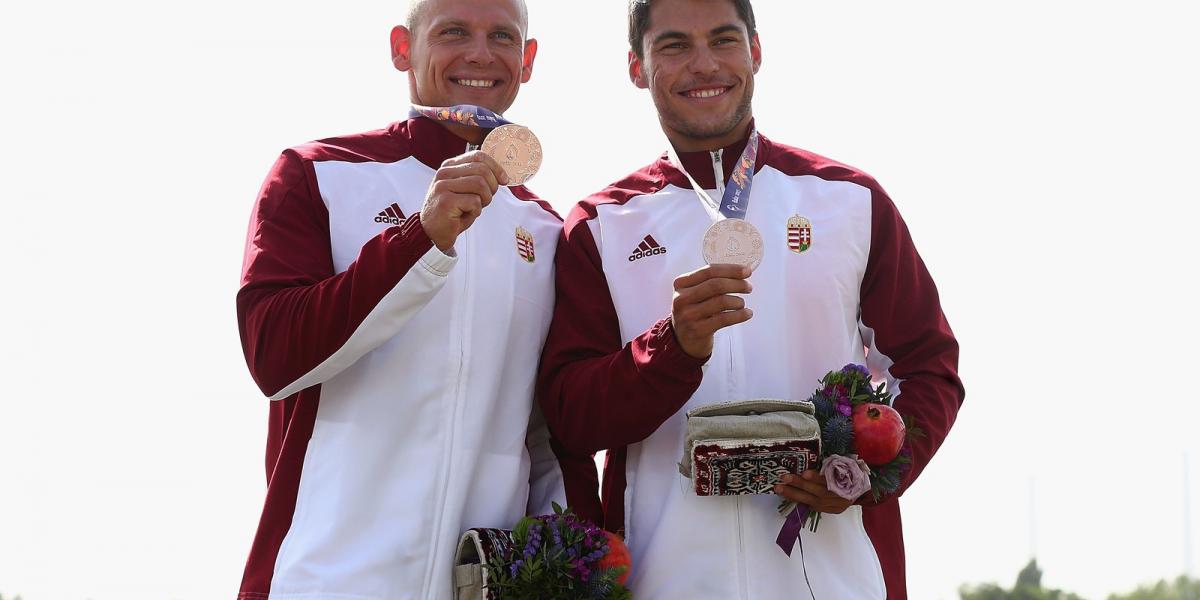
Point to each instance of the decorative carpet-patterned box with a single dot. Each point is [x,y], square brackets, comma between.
[743,467]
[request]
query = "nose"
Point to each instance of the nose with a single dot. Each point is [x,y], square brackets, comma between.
[703,61]
[480,53]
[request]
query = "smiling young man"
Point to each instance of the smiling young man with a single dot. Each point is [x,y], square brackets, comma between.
[644,331]
[395,297]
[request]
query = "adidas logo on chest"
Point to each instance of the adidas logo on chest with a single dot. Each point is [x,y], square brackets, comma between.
[391,215]
[649,247]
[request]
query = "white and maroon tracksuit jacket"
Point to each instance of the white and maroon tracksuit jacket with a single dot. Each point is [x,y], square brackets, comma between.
[401,378]
[614,377]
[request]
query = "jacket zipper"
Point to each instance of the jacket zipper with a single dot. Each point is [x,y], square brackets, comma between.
[718,175]
[730,346]
[465,268]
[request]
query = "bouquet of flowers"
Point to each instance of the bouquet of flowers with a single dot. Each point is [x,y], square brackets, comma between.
[560,556]
[863,444]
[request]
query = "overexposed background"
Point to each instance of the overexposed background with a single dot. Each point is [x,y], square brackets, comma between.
[1042,153]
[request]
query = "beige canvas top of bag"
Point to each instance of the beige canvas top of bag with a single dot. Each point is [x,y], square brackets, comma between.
[751,420]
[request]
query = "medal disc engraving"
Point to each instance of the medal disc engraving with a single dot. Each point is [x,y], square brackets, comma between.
[733,241]
[516,149]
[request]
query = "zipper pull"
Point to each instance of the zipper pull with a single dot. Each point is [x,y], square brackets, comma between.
[718,173]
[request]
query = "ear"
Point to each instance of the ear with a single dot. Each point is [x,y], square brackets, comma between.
[530,53]
[756,52]
[401,48]
[636,75]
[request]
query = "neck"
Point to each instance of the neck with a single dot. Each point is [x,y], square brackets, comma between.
[686,143]
[473,135]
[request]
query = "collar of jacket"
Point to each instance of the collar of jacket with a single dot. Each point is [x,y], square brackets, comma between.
[431,143]
[700,164]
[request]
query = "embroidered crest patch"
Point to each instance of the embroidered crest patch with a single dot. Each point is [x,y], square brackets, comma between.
[525,245]
[800,236]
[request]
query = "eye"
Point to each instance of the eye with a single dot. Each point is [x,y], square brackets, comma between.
[725,41]
[454,31]
[504,35]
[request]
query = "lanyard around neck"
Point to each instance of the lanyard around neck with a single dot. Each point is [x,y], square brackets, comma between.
[736,199]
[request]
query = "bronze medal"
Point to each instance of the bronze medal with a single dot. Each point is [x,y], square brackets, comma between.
[733,241]
[516,149]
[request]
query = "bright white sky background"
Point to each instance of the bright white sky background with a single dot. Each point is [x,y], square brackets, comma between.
[1043,153]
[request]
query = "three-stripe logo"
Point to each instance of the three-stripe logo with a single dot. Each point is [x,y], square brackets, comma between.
[391,215]
[648,247]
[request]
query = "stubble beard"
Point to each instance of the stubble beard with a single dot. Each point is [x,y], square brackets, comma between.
[705,131]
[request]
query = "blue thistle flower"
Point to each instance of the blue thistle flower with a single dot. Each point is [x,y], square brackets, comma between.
[887,479]
[837,435]
[823,406]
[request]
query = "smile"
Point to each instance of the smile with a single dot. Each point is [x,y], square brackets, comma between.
[476,83]
[702,93]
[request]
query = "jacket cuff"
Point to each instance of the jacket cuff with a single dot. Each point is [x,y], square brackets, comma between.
[665,353]
[412,234]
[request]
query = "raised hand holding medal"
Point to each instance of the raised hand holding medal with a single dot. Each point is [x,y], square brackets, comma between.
[517,150]
[707,300]
[464,185]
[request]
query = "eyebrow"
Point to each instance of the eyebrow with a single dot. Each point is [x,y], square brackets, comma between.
[440,23]
[450,22]
[673,35]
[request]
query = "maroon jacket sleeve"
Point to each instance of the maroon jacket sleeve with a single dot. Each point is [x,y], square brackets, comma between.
[902,315]
[294,313]
[596,392]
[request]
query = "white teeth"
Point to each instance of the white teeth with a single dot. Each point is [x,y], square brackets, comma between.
[706,93]
[479,83]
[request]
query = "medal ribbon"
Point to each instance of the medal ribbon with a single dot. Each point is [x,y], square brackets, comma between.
[462,114]
[736,200]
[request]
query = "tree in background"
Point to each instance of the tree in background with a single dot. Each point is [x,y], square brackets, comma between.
[1180,589]
[1028,587]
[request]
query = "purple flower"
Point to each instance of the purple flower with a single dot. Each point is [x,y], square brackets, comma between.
[844,406]
[846,476]
[853,369]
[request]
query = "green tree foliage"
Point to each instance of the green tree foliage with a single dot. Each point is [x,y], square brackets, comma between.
[1027,587]
[1181,588]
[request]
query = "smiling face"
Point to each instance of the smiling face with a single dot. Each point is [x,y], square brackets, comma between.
[465,52]
[698,62]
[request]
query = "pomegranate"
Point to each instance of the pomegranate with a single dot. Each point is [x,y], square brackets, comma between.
[618,556]
[878,433]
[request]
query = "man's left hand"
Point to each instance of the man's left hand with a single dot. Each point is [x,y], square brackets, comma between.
[809,488]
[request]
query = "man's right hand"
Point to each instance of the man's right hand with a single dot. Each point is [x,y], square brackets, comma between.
[704,303]
[461,189]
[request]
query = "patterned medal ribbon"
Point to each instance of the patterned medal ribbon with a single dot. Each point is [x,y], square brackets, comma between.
[462,114]
[513,146]
[731,239]
[736,200]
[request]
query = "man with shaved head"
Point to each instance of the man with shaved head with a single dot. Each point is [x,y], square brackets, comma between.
[396,293]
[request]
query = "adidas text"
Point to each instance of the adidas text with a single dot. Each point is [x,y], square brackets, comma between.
[645,253]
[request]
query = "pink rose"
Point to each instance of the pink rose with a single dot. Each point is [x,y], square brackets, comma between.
[846,476]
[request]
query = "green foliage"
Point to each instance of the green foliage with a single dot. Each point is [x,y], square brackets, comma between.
[553,557]
[1027,587]
[1181,588]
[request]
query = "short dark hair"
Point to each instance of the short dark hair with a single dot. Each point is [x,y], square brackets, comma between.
[639,20]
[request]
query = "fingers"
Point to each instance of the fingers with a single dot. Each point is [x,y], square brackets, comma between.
[463,206]
[705,273]
[476,185]
[472,169]
[712,307]
[480,160]
[712,287]
[809,489]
